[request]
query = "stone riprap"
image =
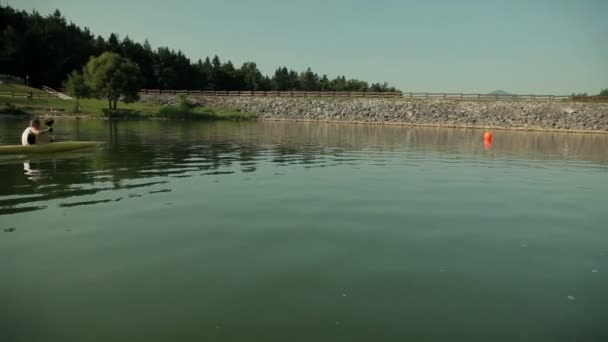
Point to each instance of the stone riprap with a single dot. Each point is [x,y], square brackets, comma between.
[435,112]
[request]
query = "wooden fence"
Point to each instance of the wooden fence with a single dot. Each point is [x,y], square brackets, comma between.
[341,94]
[453,96]
[463,96]
[271,93]
[21,93]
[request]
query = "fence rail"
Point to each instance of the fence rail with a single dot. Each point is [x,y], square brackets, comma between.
[341,94]
[21,93]
[410,95]
[271,93]
[464,96]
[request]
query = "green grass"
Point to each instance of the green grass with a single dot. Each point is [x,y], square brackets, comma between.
[18,87]
[99,108]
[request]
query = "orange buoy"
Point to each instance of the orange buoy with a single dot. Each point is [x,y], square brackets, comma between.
[488,137]
[487,140]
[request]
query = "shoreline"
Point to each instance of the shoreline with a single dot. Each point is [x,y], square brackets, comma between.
[562,117]
[504,115]
[321,121]
[96,108]
[409,124]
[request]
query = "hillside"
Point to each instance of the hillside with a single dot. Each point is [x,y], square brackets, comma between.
[6,85]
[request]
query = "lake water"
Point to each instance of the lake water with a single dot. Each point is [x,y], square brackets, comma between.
[273,231]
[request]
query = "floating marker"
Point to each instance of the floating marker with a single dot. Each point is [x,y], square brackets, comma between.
[488,137]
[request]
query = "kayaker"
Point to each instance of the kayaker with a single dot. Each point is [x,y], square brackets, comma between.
[29,134]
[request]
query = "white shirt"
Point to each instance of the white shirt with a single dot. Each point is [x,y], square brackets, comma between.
[26,132]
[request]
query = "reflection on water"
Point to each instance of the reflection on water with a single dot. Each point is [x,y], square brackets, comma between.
[32,174]
[165,150]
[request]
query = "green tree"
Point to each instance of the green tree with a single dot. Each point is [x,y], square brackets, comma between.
[113,43]
[379,87]
[215,73]
[164,69]
[280,80]
[48,48]
[265,83]
[294,80]
[206,73]
[338,83]
[250,77]
[604,92]
[111,76]
[77,87]
[308,80]
[143,56]
[355,85]
[324,83]
[201,78]
[99,45]
[228,79]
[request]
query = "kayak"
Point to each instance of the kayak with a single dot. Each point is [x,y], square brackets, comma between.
[54,147]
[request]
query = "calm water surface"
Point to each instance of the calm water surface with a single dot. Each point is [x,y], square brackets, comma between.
[181,231]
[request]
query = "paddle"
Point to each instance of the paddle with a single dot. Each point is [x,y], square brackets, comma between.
[49,122]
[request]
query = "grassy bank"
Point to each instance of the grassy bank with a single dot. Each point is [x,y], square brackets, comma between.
[11,86]
[99,109]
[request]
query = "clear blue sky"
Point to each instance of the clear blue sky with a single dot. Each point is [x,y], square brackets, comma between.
[521,46]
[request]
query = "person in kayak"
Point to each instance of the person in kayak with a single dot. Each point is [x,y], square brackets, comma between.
[29,134]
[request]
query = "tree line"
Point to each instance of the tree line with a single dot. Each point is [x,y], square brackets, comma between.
[46,49]
[603,93]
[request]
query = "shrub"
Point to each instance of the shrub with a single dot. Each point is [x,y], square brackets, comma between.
[120,113]
[181,110]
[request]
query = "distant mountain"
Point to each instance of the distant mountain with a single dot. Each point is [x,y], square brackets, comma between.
[499,92]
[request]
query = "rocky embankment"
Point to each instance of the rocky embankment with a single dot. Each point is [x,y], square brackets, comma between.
[453,113]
